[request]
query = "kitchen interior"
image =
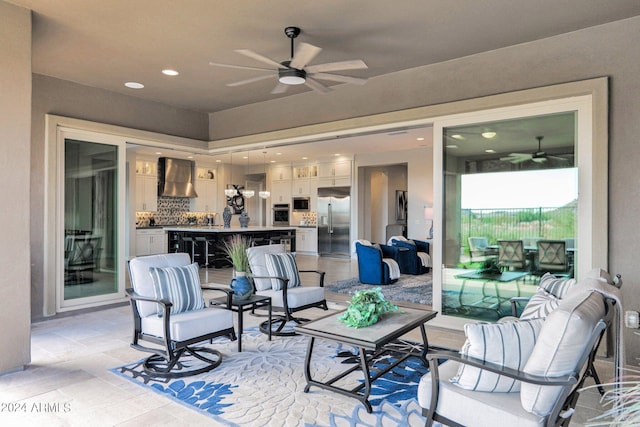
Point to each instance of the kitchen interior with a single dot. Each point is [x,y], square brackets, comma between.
[306,186]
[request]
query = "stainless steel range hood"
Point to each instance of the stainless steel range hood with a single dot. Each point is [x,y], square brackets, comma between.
[175,177]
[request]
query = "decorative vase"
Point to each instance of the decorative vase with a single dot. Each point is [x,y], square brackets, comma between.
[244,219]
[226,217]
[241,286]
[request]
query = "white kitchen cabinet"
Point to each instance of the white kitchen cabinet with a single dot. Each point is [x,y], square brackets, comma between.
[146,193]
[281,173]
[301,187]
[307,240]
[151,242]
[334,174]
[281,191]
[207,200]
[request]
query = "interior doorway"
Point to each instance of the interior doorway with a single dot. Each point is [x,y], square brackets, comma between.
[378,192]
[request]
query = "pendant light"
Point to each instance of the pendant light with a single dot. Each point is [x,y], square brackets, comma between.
[230,191]
[248,193]
[264,193]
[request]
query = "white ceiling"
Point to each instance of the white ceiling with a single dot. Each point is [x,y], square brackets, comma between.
[104,44]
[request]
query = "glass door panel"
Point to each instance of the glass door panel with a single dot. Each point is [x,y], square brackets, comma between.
[507,185]
[90,243]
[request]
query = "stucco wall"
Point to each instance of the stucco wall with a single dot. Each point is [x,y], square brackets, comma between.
[607,50]
[15,115]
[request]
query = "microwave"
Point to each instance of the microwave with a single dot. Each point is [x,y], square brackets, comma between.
[301,204]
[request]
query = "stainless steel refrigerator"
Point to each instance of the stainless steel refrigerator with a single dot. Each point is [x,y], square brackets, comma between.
[334,221]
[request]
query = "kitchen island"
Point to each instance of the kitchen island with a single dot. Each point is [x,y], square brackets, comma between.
[181,237]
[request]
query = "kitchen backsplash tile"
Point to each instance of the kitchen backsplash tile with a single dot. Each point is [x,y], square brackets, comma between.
[172,210]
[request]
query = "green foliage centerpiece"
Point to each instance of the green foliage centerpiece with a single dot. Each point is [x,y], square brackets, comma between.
[365,308]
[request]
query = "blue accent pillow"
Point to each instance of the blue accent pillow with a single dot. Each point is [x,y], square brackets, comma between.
[283,265]
[180,285]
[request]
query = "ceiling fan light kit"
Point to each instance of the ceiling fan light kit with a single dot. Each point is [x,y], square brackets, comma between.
[295,71]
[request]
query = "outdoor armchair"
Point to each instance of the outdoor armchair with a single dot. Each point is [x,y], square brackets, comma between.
[377,263]
[171,317]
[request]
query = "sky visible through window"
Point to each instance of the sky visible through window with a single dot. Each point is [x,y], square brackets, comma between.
[523,189]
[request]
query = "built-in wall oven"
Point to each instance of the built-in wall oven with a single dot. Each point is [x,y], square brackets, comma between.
[281,215]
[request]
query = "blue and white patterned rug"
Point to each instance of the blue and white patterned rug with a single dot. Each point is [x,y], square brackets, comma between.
[264,386]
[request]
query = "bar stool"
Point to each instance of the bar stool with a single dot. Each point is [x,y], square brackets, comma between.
[190,247]
[207,243]
[283,239]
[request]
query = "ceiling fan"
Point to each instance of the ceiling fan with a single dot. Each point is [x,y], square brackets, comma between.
[538,156]
[295,71]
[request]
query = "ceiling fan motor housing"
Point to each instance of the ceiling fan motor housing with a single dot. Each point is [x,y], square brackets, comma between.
[291,76]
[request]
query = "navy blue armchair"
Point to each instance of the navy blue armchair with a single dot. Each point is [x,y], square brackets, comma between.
[376,264]
[413,256]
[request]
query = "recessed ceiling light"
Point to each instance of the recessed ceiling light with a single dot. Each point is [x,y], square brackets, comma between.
[218,161]
[134,85]
[189,157]
[278,154]
[488,135]
[457,136]
[452,146]
[158,152]
[337,154]
[420,139]
[169,72]
[272,161]
[489,151]
[245,157]
[305,158]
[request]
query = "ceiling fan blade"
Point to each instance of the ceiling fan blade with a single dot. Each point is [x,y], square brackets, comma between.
[251,80]
[280,88]
[253,55]
[338,78]
[355,64]
[305,54]
[242,67]
[539,159]
[317,86]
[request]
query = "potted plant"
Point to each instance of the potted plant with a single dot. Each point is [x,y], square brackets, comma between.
[236,249]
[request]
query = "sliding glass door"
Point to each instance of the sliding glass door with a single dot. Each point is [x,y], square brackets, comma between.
[90,225]
[515,184]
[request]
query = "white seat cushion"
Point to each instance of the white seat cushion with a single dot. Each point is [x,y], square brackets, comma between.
[473,408]
[141,280]
[296,297]
[258,264]
[190,324]
[562,341]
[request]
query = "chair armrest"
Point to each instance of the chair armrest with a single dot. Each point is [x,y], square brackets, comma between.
[421,245]
[166,304]
[284,280]
[389,251]
[401,244]
[318,272]
[562,380]
[227,291]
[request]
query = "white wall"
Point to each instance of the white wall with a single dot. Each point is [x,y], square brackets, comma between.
[15,134]
[420,184]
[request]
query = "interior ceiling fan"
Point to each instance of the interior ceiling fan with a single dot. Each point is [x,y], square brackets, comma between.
[538,156]
[295,71]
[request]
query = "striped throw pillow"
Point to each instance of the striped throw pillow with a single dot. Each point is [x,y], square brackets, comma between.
[556,287]
[283,265]
[506,344]
[180,285]
[540,305]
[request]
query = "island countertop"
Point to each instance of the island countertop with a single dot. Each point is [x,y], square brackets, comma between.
[221,229]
